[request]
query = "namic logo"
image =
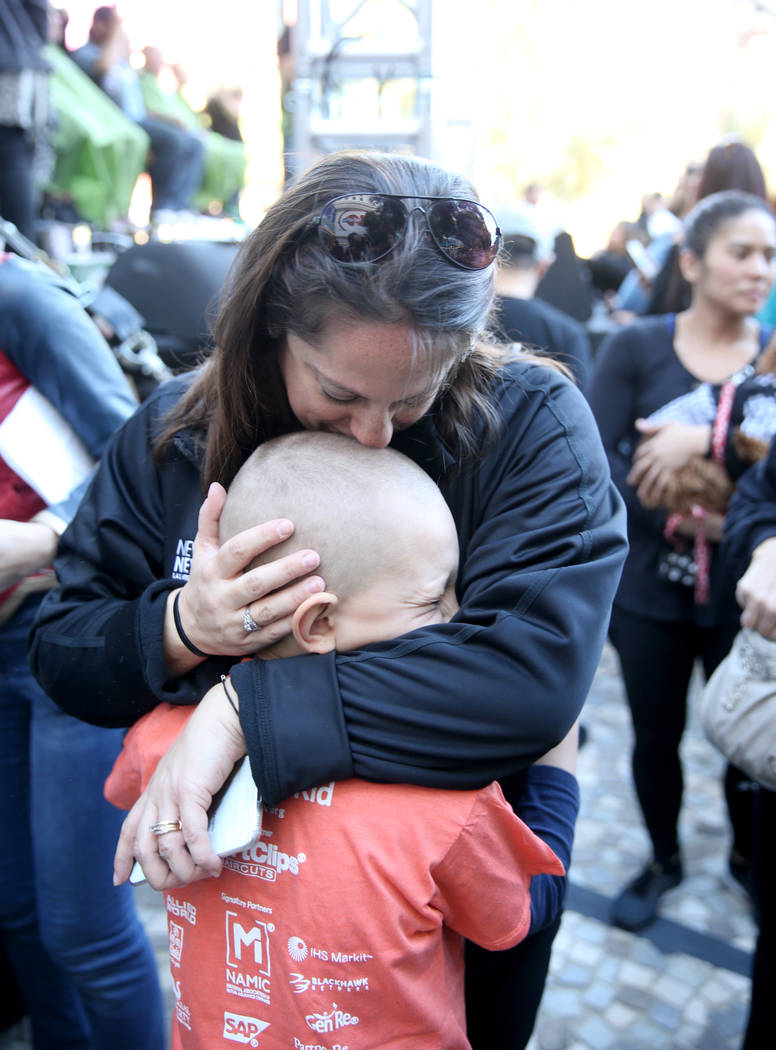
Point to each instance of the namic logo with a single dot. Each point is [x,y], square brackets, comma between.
[239,1028]
[247,959]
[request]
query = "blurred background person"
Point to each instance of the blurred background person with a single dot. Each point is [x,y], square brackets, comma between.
[662,621]
[750,546]
[76,946]
[177,157]
[731,165]
[523,318]
[23,108]
[658,236]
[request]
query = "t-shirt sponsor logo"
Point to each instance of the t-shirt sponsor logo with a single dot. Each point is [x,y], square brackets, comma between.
[299,950]
[182,909]
[239,1028]
[175,938]
[182,1012]
[247,959]
[252,905]
[342,958]
[322,796]
[300,983]
[299,1045]
[330,1021]
[265,861]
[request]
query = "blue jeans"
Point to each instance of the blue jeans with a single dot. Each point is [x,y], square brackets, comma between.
[177,166]
[78,949]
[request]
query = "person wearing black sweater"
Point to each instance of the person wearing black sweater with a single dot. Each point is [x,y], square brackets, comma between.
[662,620]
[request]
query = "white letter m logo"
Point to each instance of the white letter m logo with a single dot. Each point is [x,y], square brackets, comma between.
[252,943]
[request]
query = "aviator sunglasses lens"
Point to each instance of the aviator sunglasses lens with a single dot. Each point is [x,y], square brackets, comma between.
[465,232]
[361,228]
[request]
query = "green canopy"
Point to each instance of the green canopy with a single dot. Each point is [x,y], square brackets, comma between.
[225,161]
[99,151]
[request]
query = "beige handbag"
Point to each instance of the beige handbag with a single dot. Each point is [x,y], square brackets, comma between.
[738,707]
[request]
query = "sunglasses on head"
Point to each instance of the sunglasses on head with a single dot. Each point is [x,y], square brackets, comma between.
[365,227]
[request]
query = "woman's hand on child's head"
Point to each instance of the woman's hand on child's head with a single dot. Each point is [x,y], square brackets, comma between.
[221,600]
[664,449]
[181,789]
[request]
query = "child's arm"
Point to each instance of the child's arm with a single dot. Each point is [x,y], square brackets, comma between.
[548,804]
[564,754]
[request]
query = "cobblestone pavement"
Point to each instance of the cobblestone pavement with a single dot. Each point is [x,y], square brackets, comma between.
[682,983]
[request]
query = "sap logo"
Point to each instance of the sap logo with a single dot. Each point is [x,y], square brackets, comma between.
[320,795]
[251,945]
[182,565]
[241,1029]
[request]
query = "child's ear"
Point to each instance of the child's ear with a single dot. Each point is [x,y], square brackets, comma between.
[313,623]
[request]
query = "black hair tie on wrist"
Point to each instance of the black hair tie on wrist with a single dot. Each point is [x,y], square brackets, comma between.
[228,696]
[179,627]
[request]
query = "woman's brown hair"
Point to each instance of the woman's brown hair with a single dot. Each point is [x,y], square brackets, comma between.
[284,281]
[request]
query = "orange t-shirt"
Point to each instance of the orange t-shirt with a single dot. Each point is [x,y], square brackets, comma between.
[343,927]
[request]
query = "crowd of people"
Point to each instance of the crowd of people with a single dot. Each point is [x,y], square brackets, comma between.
[77,127]
[400,639]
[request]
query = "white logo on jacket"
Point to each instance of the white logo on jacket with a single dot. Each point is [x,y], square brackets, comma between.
[182,565]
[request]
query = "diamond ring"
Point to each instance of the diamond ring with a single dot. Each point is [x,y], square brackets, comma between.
[249,624]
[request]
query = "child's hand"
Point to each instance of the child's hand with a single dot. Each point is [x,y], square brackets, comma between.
[564,754]
[182,787]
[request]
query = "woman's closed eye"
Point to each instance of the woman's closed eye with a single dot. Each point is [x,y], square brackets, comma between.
[341,399]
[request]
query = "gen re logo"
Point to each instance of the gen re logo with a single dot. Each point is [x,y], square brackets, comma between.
[242,1029]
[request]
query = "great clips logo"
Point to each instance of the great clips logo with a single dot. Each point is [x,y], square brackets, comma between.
[265,861]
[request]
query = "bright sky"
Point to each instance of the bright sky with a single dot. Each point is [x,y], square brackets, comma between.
[602,100]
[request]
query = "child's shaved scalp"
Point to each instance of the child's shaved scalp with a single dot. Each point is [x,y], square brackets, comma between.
[358,507]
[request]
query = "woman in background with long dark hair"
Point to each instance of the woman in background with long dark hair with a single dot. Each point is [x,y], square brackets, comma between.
[664,617]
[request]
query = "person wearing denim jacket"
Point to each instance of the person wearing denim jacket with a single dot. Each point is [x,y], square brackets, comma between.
[75,944]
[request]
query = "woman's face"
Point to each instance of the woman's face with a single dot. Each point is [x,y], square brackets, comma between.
[738,268]
[362,380]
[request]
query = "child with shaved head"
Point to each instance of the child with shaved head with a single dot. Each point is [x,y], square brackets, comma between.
[345,924]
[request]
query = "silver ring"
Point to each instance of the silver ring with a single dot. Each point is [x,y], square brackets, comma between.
[164,826]
[249,623]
